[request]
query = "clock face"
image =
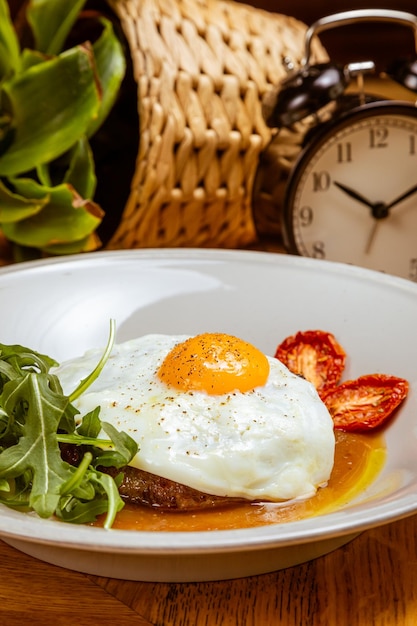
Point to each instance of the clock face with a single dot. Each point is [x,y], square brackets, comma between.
[352,196]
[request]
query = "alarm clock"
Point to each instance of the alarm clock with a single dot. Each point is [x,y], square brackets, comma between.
[350,195]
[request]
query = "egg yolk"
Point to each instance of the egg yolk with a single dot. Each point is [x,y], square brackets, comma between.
[215,363]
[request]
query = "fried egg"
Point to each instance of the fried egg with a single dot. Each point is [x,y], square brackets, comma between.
[212,412]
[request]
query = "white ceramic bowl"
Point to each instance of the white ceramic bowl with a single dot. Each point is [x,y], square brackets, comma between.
[62,307]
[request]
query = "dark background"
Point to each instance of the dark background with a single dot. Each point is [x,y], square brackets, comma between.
[376,41]
[379,42]
[357,41]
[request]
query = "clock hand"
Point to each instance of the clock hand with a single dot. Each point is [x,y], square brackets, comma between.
[354,194]
[405,195]
[371,236]
[379,210]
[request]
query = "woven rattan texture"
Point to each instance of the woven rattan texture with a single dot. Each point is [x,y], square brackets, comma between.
[202,68]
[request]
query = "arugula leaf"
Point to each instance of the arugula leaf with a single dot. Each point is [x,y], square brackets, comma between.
[123,448]
[21,358]
[86,382]
[76,511]
[35,419]
[91,425]
[39,410]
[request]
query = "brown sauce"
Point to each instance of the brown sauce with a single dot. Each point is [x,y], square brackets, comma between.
[358,460]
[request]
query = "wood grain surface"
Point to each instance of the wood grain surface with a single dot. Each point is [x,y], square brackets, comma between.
[370,582]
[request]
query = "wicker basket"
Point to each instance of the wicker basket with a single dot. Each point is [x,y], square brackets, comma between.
[202,68]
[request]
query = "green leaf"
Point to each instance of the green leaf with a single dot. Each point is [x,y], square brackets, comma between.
[15,207]
[4,424]
[29,58]
[81,173]
[107,500]
[90,425]
[74,484]
[64,219]
[51,21]
[19,358]
[44,177]
[75,167]
[52,105]
[17,497]
[88,381]
[30,188]
[37,450]
[4,485]
[125,448]
[76,512]
[9,44]
[33,413]
[86,244]
[115,503]
[111,68]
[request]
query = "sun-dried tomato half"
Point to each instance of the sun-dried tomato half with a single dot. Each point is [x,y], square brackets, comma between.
[315,355]
[365,403]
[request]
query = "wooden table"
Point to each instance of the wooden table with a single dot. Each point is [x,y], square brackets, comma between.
[370,582]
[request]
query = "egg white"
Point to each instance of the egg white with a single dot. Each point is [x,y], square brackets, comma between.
[273,443]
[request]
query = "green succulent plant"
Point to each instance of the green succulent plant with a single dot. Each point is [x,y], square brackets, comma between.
[53,99]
